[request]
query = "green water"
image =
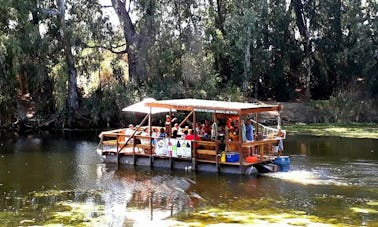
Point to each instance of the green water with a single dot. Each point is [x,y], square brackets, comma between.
[59,180]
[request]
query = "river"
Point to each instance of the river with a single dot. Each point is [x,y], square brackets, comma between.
[60,180]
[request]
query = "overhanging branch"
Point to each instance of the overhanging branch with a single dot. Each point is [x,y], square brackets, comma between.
[111,49]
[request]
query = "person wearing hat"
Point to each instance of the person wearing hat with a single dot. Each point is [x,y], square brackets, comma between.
[168,126]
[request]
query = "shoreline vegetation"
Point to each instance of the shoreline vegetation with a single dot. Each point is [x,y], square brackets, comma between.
[352,130]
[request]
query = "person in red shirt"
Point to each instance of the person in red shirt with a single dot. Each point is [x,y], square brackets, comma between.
[190,136]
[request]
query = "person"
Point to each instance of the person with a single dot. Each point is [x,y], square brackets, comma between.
[174,134]
[190,135]
[249,130]
[154,135]
[214,130]
[162,133]
[168,124]
[248,135]
[233,136]
[130,130]
[155,132]
[202,131]
[145,133]
[207,128]
[281,135]
[177,128]
[185,133]
[198,128]
[244,138]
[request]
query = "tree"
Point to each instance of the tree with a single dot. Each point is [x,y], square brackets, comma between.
[72,98]
[25,68]
[302,21]
[218,11]
[138,35]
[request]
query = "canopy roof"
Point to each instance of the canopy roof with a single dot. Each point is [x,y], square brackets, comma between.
[141,107]
[213,106]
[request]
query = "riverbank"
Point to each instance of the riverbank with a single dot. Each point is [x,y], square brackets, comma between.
[353,130]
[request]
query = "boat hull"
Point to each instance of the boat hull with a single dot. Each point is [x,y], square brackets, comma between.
[252,169]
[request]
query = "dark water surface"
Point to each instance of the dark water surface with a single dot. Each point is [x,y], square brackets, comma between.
[60,181]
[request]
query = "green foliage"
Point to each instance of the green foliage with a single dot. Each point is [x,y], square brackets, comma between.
[7,82]
[103,105]
[346,106]
[228,50]
[232,93]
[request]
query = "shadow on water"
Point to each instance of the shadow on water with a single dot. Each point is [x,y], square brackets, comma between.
[59,179]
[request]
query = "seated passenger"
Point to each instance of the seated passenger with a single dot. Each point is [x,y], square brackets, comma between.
[155,132]
[174,134]
[233,136]
[145,133]
[130,130]
[162,133]
[190,136]
[177,128]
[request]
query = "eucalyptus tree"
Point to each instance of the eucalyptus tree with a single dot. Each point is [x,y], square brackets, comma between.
[232,38]
[242,23]
[72,27]
[276,34]
[72,95]
[360,56]
[7,75]
[138,33]
[256,36]
[304,14]
[216,32]
[24,57]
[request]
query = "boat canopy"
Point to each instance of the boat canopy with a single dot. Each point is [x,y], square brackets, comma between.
[141,107]
[212,106]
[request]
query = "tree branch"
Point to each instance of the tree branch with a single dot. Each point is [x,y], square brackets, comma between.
[111,49]
[102,6]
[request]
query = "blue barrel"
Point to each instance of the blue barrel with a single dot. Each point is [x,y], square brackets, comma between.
[283,162]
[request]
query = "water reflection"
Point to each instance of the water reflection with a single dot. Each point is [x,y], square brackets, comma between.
[137,196]
[61,181]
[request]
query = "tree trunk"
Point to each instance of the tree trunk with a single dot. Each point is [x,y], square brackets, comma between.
[221,61]
[247,60]
[134,42]
[304,31]
[73,98]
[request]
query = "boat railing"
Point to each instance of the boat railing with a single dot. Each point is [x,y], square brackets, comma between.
[117,142]
[269,132]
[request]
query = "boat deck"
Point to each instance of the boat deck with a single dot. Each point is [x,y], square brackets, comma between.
[200,153]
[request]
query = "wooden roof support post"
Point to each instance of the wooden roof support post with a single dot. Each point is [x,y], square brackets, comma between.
[194,145]
[168,128]
[169,141]
[217,145]
[149,130]
[257,123]
[118,150]
[240,137]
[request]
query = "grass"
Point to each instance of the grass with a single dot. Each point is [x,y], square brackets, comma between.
[353,130]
